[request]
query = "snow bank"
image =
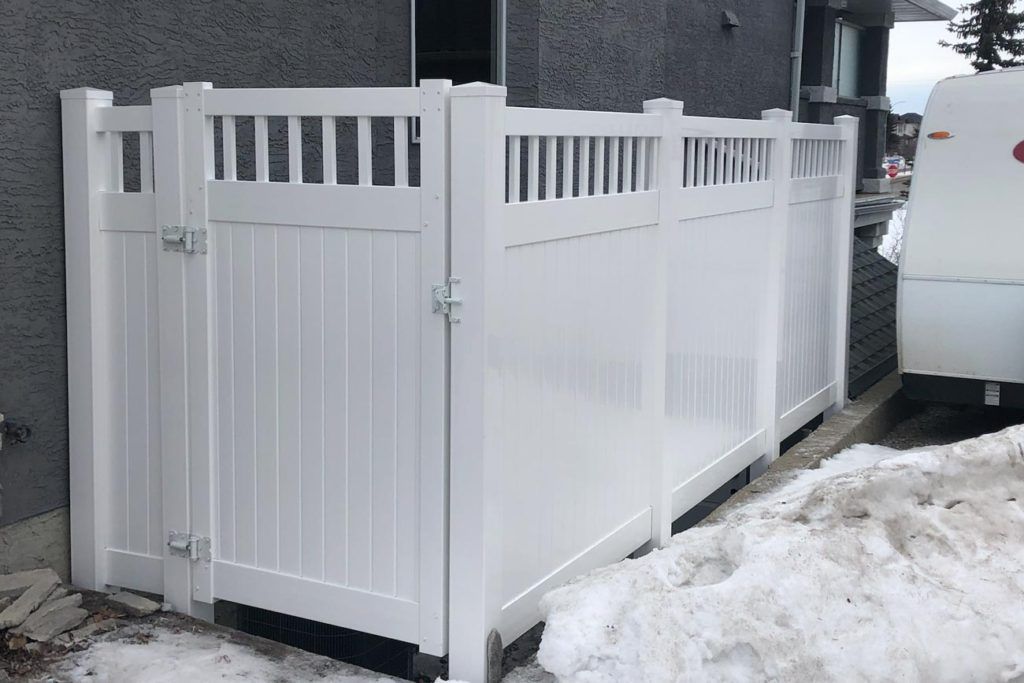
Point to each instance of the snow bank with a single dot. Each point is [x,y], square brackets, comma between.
[170,657]
[881,565]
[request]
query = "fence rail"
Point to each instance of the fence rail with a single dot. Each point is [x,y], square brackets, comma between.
[259,291]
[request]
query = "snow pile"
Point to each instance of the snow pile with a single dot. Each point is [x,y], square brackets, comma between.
[170,657]
[882,566]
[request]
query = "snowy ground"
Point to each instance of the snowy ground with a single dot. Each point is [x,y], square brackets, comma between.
[881,565]
[173,648]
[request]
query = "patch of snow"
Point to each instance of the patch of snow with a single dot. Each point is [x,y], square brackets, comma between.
[881,565]
[170,657]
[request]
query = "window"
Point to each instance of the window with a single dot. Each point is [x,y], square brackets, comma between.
[846,60]
[463,40]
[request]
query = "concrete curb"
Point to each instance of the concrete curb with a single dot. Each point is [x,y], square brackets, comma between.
[865,420]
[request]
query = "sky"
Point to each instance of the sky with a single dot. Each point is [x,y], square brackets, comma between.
[916,62]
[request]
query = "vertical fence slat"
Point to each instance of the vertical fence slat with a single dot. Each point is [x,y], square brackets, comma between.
[691,162]
[599,166]
[116,161]
[328,136]
[585,167]
[262,160]
[627,165]
[146,161]
[748,160]
[401,151]
[230,154]
[730,161]
[533,168]
[568,154]
[702,150]
[294,149]
[550,166]
[613,165]
[515,153]
[365,150]
[641,164]
[756,160]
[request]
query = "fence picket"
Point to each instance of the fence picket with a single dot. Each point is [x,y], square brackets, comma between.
[568,153]
[294,149]
[262,159]
[550,166]
[365,150]
[328,136]
[401,151]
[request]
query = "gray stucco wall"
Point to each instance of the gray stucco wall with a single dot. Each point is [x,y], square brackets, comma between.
[613,54]
[598,54]
[129,46]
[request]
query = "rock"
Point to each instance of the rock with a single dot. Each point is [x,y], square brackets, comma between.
[32,622]
[58,592]
[56,622]
[95,628]
[133,604]
[13,585]
[27,602]
[5,603]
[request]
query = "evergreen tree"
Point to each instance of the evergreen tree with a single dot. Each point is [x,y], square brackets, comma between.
[989,34]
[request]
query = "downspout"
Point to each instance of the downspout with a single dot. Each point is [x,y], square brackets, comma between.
[796,58]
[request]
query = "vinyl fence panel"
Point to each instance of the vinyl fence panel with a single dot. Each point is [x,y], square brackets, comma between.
[404,359]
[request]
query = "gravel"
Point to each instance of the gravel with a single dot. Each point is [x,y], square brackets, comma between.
[936,424]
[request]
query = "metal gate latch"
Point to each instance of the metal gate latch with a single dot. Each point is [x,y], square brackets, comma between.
[188,545]
[444,301]
[183,238]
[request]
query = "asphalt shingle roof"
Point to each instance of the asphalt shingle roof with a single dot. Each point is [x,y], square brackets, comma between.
[872,318]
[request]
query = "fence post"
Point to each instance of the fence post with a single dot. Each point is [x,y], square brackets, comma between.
[775,287]
[433,548]
[198,169]
[169,183]
[86,174]
[844,255]
[669,181]
[477,259]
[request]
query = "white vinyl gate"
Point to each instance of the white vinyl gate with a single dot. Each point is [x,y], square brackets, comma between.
[271,294]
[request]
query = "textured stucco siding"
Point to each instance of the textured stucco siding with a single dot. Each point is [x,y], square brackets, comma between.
[614,54]
[129,46]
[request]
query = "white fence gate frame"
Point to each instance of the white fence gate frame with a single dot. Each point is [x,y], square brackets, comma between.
[644,304]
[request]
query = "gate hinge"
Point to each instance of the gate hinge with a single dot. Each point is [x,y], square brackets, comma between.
[183,238]
[188,545]
[444,300]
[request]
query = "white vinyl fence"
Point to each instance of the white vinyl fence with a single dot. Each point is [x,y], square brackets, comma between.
[409,402]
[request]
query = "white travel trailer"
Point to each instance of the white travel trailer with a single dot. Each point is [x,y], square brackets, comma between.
[961,283]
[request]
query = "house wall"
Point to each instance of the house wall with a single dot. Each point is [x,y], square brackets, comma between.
[129,46]
[614,54]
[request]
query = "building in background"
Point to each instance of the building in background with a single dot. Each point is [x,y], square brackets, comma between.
[906,125]
[845,56]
